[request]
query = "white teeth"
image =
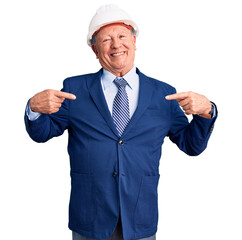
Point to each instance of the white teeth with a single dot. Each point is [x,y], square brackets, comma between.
[117,54]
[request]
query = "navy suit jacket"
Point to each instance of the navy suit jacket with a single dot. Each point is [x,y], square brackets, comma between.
[111,173]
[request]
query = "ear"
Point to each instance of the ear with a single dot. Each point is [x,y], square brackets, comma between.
[134,40]
[94,49]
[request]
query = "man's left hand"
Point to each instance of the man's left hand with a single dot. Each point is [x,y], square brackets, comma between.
[192,103]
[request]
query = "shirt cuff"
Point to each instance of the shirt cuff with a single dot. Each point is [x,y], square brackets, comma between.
[214,112]
[30,114]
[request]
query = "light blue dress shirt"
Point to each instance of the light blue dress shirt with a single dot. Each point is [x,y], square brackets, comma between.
[110,89]
[31,115]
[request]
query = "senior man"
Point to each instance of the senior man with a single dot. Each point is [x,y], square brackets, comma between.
[117,120]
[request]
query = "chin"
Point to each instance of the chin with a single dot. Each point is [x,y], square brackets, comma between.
[119,65]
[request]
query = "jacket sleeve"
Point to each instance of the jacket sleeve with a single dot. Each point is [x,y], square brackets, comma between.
[191,138]
[48,126]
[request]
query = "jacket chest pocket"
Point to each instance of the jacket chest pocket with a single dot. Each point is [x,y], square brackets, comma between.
[146,211]
[82,208]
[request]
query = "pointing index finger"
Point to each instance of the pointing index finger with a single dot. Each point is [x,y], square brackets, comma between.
[177,96]
[61,94]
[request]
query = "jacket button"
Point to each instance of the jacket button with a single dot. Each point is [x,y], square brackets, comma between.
[121,142]
[115,174]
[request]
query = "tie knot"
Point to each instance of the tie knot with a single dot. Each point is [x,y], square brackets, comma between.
[120,82]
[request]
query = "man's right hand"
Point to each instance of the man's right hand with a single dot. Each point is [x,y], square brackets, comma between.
[49,101]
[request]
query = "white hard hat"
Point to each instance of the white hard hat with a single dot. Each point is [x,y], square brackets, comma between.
[109,14]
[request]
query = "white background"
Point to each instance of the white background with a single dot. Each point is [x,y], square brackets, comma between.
[193,45]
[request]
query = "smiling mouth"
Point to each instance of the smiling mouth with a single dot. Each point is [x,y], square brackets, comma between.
[117,54]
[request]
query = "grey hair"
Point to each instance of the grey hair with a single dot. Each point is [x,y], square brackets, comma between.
[94,38]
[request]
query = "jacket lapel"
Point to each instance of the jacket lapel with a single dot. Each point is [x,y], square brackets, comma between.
[146,89]
[96,92]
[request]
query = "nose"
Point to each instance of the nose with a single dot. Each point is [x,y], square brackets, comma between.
[116,43]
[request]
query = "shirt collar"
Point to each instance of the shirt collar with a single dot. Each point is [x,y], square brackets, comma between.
[107,78]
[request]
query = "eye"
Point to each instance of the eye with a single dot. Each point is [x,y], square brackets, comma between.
[106,39]
[122,36]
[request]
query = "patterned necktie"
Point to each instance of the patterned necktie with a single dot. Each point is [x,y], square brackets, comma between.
[121,115]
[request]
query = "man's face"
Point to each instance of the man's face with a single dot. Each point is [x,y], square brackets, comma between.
[115,49]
